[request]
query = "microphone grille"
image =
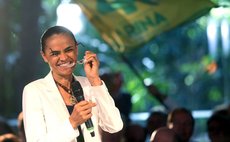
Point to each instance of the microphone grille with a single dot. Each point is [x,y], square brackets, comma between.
[76,88]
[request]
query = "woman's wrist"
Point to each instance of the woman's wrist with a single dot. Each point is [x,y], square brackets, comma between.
[95,81]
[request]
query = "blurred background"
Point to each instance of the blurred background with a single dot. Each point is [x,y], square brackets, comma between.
[182,47]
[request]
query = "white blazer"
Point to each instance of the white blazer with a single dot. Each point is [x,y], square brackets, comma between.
[46,118]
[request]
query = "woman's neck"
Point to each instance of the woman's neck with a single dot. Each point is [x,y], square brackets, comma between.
[64,80]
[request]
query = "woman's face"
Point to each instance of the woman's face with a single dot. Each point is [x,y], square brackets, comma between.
[61,54]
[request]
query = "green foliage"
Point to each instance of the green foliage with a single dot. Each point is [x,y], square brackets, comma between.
[215,95]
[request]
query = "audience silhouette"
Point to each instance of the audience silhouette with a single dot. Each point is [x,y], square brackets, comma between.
[155,120]
[218,126]
[163,134]
[181,121]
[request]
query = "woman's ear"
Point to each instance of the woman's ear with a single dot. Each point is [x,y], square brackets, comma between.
[43,56]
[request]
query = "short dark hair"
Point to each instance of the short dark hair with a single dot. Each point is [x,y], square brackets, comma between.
[172,114]
[52,31]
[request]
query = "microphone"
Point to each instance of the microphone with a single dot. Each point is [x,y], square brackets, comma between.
[78,93]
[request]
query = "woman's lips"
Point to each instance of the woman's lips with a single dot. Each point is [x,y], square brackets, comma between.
[67,65]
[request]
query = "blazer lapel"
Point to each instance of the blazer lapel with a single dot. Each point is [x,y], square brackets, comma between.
[54,95]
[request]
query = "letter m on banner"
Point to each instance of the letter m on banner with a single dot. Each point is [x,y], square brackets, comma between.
[127,24]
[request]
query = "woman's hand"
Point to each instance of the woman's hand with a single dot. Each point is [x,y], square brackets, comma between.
[81,113]
[91,68]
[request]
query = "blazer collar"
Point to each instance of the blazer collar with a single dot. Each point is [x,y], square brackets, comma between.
[55,95]
[51,85]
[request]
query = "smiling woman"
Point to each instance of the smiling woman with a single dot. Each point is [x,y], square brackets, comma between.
[179,56]
[51,101]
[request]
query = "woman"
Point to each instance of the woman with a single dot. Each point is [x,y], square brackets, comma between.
[50,110]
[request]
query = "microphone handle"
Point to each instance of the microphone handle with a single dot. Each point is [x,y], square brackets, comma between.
[89,126]
[88,123]
[79,94]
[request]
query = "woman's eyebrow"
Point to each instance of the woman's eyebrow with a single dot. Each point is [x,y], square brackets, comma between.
[53,51]
[70,46]
[67,48]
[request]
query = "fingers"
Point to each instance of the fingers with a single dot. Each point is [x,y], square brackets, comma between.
[82,112]
[85,104]
[84,108]
[91,68]
[90,57]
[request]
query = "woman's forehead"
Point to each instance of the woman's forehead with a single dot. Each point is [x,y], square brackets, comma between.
[59,40]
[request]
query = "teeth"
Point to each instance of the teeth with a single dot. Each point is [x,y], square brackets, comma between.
[71,65]
[68,65]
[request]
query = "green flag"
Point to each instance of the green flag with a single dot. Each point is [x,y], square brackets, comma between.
[127,24]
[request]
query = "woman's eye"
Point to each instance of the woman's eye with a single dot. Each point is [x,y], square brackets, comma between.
[69,50]
[54,53]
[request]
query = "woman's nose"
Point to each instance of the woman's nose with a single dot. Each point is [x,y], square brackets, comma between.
[63,56]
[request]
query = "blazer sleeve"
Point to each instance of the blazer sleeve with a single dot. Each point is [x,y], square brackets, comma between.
[109,115]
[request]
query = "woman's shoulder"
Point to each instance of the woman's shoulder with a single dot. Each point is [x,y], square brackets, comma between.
[37,82]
